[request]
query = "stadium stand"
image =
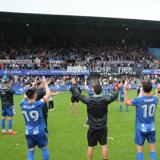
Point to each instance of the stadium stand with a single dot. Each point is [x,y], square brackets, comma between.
[15,57]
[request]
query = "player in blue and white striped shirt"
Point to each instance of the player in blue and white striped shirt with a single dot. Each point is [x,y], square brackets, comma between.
[34,121]
[145,119]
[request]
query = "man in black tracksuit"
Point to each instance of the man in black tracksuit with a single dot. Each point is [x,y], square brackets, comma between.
[40,94]
[97,109]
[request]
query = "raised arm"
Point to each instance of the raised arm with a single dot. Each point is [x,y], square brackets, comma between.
[127,101]
[112,98]
[34,83]
[85,83]
[157,90]
[100,81]
[48,92]
[82,98]
[49,81]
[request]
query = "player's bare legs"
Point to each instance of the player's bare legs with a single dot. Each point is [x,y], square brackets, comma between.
[140,155]
[76,107]
[90,153]
[152,148]
[139,148]
[71,106]
[3,125]
[104,152]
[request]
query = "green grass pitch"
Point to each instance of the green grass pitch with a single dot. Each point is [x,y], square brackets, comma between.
[67,136]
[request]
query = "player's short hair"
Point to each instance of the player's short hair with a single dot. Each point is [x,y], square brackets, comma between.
[39,83]
[97,88]
[147,87]
[123,81]
[31,92]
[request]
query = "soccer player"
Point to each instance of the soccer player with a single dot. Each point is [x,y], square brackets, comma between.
[97,110]
[35,123]
[106,88]
[88,88]
[6,95]
[121,91]
[145,119]
[74,99]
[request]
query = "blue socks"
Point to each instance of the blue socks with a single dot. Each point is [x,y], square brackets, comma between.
[10,124]
[3,124]
[140,156]
[153,155]
[45,154]
[31,155]
[127,109]
[120,108]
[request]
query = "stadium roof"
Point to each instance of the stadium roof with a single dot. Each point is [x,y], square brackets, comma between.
[112,23]
[149,30]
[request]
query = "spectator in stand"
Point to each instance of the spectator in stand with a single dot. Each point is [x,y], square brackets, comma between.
[91,56]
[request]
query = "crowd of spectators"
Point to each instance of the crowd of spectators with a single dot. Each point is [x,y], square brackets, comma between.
[27,81]
[54,80]
[91,56]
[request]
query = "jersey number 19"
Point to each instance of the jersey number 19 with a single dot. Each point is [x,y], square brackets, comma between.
[31,116]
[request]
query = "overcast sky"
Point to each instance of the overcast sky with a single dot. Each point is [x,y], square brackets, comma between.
[132,9]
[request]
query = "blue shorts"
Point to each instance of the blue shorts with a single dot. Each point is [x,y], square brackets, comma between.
[7,111]
[140,137]
[40,140]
